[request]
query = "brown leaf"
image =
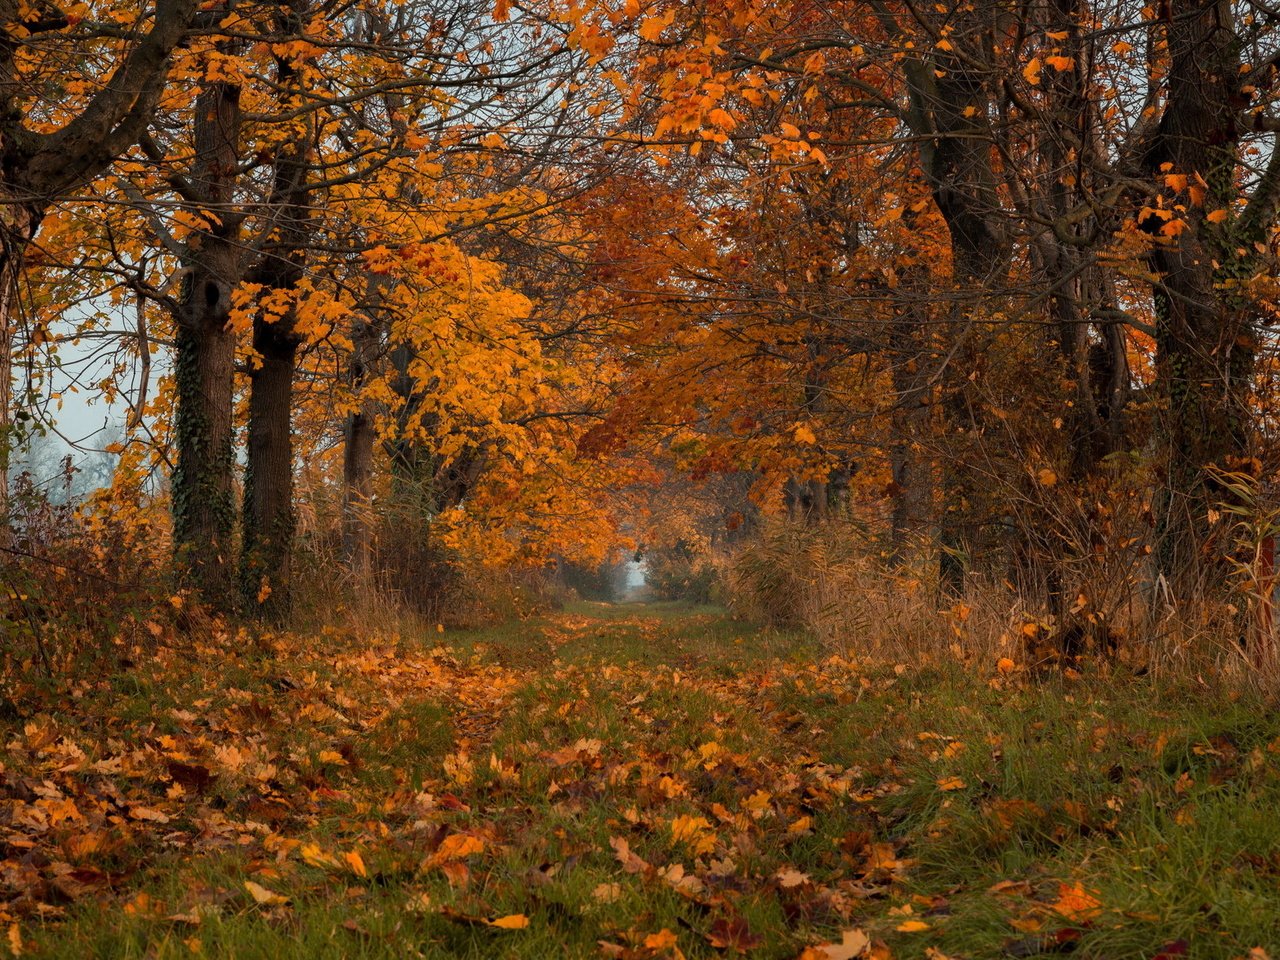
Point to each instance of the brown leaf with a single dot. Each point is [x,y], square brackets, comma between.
[192,777]
[732,933]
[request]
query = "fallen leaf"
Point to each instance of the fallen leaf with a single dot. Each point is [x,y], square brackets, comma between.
[260,894]
[853,943]
[356,863]
[513,921]
[664,939]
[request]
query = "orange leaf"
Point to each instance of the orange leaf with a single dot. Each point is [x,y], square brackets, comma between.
[664,939]
[514,921]
[1076,903]
[356,863]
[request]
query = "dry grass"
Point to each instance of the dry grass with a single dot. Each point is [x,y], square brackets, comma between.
[831,581]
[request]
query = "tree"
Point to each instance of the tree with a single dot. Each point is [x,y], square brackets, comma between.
[51,145]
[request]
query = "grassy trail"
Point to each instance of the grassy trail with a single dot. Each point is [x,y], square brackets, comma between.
[637,782]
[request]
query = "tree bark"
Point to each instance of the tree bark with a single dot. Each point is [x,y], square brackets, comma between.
[204,478]
[269,520]
[911,469]
[949,107]
[1205,340]
[357,459]
[266,559]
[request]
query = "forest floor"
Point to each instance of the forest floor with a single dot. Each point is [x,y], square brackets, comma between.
[636,782]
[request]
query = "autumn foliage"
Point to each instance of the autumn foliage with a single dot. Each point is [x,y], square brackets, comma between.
[919,336]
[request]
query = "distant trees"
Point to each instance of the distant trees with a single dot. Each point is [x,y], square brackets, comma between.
[1049,244]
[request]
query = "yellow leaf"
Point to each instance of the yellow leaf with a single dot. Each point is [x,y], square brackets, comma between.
[458,845]
[313,855]
[950,783]
[514,921]
[262,895]
[695,832]
[912,926]
[805,435]
[356,863]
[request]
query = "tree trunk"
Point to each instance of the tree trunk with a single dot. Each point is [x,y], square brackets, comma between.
[269,521]
[204,478]
[948,112]
[18,229]
[1205,341]
[357,460]
[266,559]
[911,469]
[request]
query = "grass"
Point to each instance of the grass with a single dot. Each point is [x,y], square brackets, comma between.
[654,779]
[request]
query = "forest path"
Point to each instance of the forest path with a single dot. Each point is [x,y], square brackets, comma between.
[643,782]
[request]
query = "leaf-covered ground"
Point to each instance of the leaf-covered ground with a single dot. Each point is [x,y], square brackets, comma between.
[638,782]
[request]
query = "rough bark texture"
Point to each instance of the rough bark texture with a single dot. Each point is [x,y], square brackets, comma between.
[949,114]
[357,459]
[269,521]
[266,559]
[1205,341]
[204,479]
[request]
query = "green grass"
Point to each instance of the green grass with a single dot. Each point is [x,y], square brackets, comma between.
[714,754]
